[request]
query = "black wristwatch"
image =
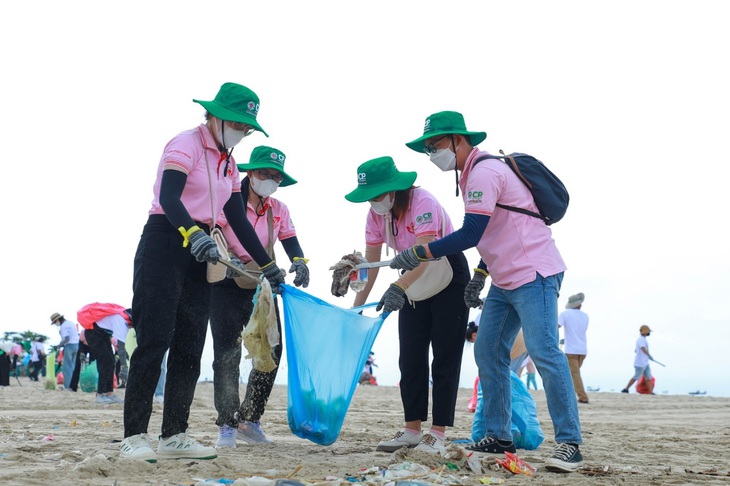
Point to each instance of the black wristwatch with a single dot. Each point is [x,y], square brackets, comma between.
[420,251]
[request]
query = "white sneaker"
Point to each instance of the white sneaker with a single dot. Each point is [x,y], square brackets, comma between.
[226,437]
[182,446]
[138,447]
[431,444]
[403,438]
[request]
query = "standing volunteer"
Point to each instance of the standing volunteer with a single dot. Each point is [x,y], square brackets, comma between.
[575,324]
[400,216]
[231,300]
[70,342]
[641,361]
[196,179]
[527,271]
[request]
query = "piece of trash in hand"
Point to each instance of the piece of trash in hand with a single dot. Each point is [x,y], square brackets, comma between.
[346,276]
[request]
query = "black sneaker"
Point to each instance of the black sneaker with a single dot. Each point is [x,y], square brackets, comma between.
[490,445]
[625,390]
[566,458]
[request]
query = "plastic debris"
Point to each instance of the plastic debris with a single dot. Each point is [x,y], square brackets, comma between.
[515,465]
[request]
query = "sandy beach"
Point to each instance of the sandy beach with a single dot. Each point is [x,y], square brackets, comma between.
[51,436]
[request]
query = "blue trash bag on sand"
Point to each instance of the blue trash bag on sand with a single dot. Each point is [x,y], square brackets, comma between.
[526,431]
[326,349]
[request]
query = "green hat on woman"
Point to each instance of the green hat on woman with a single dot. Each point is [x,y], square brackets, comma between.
[264,157]
[378,176]
[445,123]
[235,103]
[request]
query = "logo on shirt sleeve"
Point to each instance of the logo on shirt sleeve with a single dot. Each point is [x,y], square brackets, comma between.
[474,197]
[425,218]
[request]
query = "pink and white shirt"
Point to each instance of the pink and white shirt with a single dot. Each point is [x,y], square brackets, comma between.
[424,217]
[514,246]
[187,152]
[283,227]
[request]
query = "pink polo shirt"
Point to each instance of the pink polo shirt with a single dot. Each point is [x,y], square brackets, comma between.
[515,246]
[423,217]
[187,152]
[283,227]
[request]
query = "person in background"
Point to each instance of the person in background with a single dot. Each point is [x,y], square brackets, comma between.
[231,306]
[641,361]
[527,272]
[37,357]
[99,338]
[84,356]
[531,372]
[400,216]
[70,342]
[367,377]
[575,324]
[5,348]
[196,180]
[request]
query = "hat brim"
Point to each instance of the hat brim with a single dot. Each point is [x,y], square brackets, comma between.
[419,145]
[223,113]
[287,181]
[403,181]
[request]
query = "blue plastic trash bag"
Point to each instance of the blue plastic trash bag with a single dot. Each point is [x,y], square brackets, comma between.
[326,349]
[526,431]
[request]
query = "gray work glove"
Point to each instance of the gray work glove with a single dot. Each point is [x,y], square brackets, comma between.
[392,299]
[274,275]
[230,273]
[474,288]
[407,259]
[203,248]
[301,271]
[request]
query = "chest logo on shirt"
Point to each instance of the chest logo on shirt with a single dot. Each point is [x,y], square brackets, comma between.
[425,218]
[474,197]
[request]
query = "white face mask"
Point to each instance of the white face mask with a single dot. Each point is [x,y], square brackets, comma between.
[230,137]
[383,206]
[444,159]
[264,188]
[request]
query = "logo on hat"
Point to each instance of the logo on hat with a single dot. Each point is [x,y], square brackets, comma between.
[427,125]
[253,108]
[362,178]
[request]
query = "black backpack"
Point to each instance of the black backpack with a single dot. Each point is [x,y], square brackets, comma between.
[549,193]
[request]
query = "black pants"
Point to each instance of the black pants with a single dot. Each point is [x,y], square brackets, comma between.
[100,343]
[438,322]
[230,311]
[80,356]
[35,368]
[4,370]
[170,307]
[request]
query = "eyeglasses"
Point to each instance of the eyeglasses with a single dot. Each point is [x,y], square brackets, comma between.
[242,127]
[265,176]
[430,148]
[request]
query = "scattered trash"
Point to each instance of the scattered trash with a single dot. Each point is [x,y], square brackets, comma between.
[73,423]
[491,480]
[48,438]
[515,465]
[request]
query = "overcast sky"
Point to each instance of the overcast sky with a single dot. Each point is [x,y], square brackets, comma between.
[626,101]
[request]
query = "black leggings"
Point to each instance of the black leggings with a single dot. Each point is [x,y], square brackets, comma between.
[230,310]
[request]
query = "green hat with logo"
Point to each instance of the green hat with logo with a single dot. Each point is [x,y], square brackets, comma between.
[235,103]
[263,157]
[445,123]
[378,176]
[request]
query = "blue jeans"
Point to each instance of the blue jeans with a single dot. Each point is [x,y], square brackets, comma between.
[534,307]
[70,351]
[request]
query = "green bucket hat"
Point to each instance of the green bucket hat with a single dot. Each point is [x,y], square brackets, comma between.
[263,157]
[235,103]
[445,123]
[378,176]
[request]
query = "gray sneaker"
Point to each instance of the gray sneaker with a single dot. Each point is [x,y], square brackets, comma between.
[103,400]
[115,399]
[252,433]
[402,439]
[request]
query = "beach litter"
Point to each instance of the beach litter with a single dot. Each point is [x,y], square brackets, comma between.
[515,465]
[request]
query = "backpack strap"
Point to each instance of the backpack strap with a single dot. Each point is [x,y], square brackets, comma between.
[513,165]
